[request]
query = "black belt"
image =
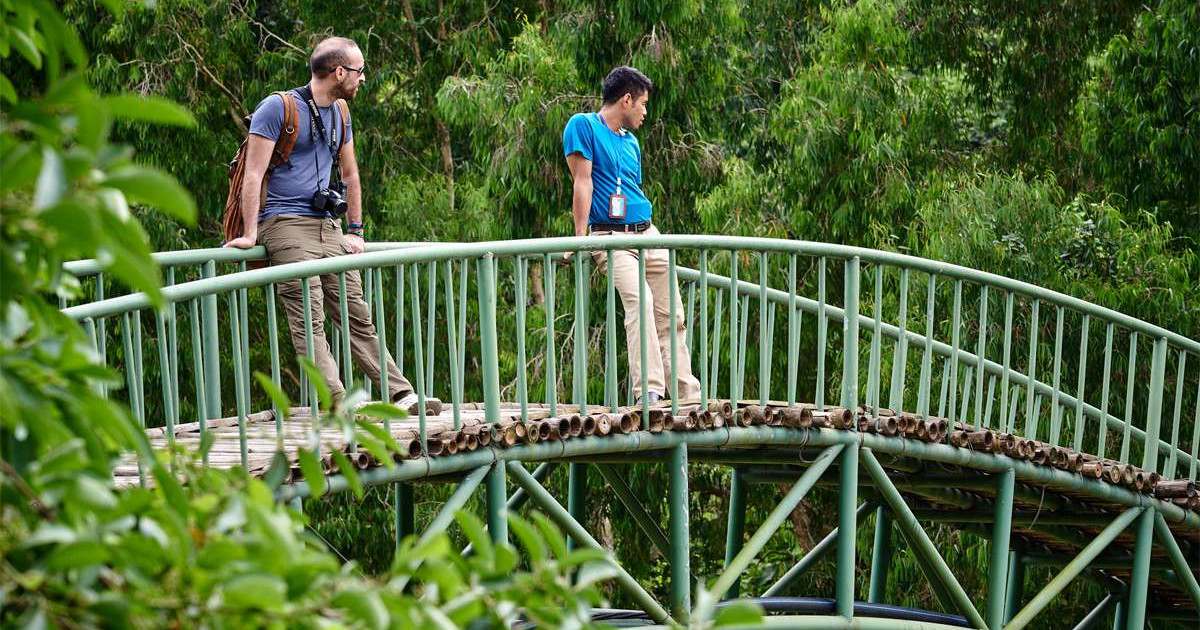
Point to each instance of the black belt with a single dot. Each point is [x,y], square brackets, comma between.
[621,227]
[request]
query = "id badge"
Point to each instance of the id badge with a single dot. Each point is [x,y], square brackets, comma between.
[616,207]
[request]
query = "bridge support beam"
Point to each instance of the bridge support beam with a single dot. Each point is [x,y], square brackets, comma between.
[1014,591]
[1097,614]
[1139,585]
[847,531]
[406,511]
[1078,565]
[681,570]
[563,518]
[818,552]
[919,540]
[736,527]
[775,519]
[1001,536]
[497,503]
[1186,578]
[881,558]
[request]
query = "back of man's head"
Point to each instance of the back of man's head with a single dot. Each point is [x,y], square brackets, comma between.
[625,80]
[329,54]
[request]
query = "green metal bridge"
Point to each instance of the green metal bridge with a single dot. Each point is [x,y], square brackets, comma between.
[1064,433]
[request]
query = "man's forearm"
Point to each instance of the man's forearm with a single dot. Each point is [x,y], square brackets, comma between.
[581,206]
[251,198]
[353,200]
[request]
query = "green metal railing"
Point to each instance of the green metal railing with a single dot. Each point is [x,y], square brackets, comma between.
[938,339]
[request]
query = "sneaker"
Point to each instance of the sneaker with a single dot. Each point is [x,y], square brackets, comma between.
[433,406]
[651,397]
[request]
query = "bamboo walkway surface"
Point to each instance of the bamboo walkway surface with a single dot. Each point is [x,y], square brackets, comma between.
[263,437]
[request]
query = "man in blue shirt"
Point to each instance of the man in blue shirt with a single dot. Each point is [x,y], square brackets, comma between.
[606,166]
[294,223]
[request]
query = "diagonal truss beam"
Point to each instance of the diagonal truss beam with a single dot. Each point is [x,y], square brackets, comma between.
[775,519]
[1183,572]
[814,555]
[919,540]
[1073,569]
[1098,614]
[635,508]
[457,500]
[518,498]
[563,518]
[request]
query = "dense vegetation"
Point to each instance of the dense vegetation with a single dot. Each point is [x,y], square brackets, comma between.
[1057,144]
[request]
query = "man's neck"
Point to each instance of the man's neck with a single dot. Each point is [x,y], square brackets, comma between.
[611,119]
[321,92]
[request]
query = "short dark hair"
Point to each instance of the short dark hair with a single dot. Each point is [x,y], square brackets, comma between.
[625,80]
[329,54]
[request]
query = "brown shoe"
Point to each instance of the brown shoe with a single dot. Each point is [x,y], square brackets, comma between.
[433,406]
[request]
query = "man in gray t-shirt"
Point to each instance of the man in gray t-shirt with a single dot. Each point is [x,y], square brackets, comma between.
[293,229]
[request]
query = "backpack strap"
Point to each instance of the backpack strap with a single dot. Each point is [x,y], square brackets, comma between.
[288,132]
[344,111]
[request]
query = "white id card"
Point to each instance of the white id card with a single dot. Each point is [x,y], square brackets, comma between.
[616,207]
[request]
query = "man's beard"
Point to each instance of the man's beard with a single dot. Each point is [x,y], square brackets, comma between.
[340,90]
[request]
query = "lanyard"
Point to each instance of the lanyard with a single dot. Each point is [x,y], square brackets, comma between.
[317,129]
[616,156]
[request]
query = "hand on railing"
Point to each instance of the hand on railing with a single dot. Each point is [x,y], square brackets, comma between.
[241,242]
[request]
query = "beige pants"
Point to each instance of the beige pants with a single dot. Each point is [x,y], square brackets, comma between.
[658,296]
[291,239]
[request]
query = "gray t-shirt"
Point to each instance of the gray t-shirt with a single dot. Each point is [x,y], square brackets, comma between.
[308,168]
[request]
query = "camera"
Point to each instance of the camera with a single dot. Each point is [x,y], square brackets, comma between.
[331,200]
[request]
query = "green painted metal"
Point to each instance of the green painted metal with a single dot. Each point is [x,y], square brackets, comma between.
[398,309]
[764,357]
[716,351]
[704,382]
[380,321]
[1176,416]
[775,519]
[874,373]
[239,392]
[405,511]
[1184,570]
[1105,381]
[576,496]
[736,527]
[522,302]
[1009,305]
[419,357]
[490,352]
[999,550]
[1015,588]
[497,503]
[881,555]
[1158,368]
[981,351]
[431,326]
[310,354]
[643,342]
[793,347]
[456,376]
[563,518]
[1129,385]
[610,338]
[1081,366]
[919,540]
[198,375]
[1097,614]
[548,272]
[273,350]
[636,510]
[681,570]
[1139,586]
[1195,436]
[900,359]
[814,555]
[672,368]
[927,358]
[822,332]
[1074,568]
[1055,410]
[848,497]
[955,345]
[1031,417]
[212,353]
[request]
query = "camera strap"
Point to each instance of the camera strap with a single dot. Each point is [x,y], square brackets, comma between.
[318,128]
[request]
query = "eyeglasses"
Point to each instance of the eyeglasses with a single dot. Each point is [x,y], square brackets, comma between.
[358,70]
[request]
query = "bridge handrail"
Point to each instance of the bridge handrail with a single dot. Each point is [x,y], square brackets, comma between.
[390,254]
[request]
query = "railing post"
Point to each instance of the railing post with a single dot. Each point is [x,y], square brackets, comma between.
[497,502]
[848,494]
[881,558]
[681,569]
[1014,591]
[1158,369]
[212,350]
[1140,578]
[735,530]
[489,351]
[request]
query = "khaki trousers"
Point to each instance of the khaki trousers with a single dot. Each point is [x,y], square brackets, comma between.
[658,343]
[290,239]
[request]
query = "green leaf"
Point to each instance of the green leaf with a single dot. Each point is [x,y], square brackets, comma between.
[171,490]
[280,399]
[150,109]
[278,470]
[474,530]
[311,467]
[582,556]
[7,91]
[551,534]
[530,539]
[259,591]
[364,606]
[349,472]
[376,449]
[155,188]
[382,410]
[58,31]
[76,555]
[25,46]
[20,167]
[739,613]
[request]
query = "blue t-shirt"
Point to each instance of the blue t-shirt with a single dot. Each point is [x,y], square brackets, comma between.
[308,168]
[610,154]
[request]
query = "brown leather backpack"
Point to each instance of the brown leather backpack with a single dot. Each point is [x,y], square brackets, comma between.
[232,219]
